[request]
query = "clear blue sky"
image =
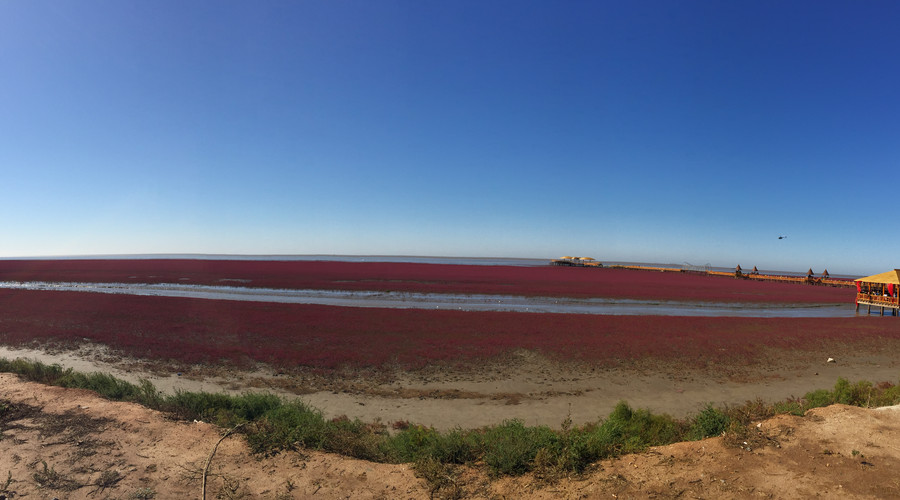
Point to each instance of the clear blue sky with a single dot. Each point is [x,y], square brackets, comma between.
[644,131]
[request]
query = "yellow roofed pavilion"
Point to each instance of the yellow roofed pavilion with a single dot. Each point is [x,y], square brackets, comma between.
[880,290]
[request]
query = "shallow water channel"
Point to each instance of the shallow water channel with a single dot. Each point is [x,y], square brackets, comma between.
[460,302]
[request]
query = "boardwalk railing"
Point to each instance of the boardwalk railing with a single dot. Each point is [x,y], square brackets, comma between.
[870,299]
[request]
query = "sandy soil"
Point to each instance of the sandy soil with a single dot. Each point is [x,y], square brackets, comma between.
[64,443]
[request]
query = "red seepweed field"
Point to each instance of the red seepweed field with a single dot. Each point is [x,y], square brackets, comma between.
[434,278]
[325,337]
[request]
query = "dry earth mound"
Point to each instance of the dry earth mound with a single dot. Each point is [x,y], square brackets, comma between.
[69,443]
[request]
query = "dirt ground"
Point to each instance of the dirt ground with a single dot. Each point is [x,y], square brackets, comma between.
[64,443]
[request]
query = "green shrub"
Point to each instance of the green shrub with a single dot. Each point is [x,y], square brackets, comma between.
[414,443]
[637,429]
[355,439]
[458,447]
[510,448]
[858,394]
[709,422]
[286,427]
[818,399]
[886,394]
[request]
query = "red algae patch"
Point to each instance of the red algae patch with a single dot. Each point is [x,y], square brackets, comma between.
[327,337]
[546,281]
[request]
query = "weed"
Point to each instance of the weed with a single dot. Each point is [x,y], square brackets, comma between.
[232,489]
[145,493]
[443,479]
[792,406]
[50,478]
[8,482]
[107,479]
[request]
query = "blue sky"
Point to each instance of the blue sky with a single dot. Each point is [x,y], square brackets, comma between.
[643,131]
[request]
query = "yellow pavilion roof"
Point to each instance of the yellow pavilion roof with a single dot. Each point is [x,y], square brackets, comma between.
[888,277]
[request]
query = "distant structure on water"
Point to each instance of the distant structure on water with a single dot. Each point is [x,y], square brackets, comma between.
[576,262]
[687,267]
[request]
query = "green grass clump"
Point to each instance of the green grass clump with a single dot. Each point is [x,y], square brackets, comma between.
[221,409]
[708,423]
[33,370]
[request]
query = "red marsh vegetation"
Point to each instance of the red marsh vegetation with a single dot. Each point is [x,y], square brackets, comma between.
[326,337]
[427,278]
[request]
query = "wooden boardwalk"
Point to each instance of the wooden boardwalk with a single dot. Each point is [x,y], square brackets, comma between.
[802,280]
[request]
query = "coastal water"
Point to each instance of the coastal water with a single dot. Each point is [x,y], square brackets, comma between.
[458,302]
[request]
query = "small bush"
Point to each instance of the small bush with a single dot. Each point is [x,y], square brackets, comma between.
[413,443]
[635,430]
[751,411]
[710,422]
[789,406]
[286,427]
[510,448]
[818,399]
[858,394]
[354,438]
